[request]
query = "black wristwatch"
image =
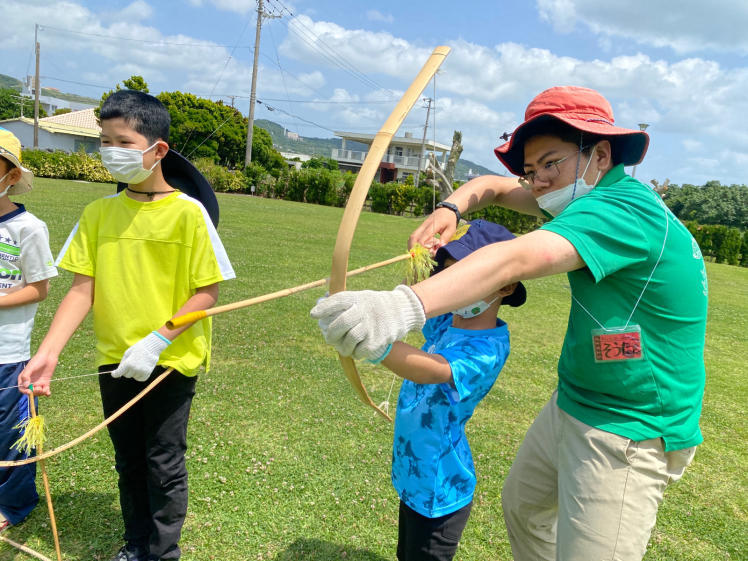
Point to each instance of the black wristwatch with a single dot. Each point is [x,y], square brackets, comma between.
[452,207]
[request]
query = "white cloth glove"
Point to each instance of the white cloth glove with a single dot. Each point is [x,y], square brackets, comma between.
[139,360]
[363,324]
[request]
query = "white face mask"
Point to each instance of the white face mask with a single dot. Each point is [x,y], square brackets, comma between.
[556,201]
[7,187]
[473,310]
[126,164]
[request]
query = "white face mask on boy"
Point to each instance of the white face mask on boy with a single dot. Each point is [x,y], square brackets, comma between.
[473,310]
[556,201]
[126,164]
[7,187]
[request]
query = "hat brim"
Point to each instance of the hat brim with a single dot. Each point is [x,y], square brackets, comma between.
[516,298]
[27,176]
[629,145]
[24,185]
[179,172]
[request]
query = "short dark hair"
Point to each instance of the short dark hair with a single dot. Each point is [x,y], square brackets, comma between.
[567,133]
[10,166]
[141,111]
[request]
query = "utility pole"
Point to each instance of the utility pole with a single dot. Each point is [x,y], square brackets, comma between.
[36,88]
[423,140]
[253,94]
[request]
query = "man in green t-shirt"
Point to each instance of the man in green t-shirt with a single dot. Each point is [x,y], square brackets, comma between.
[624,421]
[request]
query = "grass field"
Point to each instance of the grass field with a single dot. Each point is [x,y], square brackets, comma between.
[286,464]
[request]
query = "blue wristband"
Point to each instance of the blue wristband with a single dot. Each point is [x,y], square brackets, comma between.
[381,358]
[164,339]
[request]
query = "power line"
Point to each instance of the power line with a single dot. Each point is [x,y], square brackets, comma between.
[74,82]
[150,41]
[228,59]
[332,102]
[292,115]
[307,35]
[277,57]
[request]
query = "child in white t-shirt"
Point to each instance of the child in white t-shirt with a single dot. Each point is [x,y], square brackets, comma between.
[26,265]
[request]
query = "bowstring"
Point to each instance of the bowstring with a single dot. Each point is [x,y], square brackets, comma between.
[64,378]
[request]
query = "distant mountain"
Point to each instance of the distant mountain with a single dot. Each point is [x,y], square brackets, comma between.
[10,82]
[16,84]
[314,146]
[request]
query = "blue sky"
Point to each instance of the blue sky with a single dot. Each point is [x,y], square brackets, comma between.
[333,65]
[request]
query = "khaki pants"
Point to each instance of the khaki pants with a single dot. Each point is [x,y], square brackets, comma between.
[575,492]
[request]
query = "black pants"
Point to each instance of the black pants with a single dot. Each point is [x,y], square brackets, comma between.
[429,539]
[150,441]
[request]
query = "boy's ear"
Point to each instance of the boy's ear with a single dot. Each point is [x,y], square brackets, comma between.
[14,176]
[162,148]
[507,290]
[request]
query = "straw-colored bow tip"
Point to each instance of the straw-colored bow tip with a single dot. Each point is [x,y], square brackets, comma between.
[419,266]
[33,434]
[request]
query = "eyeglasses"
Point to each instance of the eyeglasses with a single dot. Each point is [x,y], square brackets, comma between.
[546,172]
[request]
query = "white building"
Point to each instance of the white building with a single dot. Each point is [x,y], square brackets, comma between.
[49,102]
[294,160]
[69,132]
[400,160]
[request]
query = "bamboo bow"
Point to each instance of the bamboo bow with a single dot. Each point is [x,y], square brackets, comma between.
[93,431]
[358,197]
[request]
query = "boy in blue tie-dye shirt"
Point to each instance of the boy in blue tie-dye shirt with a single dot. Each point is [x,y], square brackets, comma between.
[432,467]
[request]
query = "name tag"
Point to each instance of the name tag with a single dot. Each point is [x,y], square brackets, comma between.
[617,343]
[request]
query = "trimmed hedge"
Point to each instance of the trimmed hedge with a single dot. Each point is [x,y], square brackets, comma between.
[64,165]
[723,243]
[332,188]
[221,178]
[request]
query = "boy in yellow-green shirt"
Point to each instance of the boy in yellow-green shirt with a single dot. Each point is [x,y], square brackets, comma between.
[141,257]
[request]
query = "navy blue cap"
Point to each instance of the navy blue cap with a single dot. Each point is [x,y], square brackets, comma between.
[480,233]
[181,174]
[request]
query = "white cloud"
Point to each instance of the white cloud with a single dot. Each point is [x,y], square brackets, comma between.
[686,26]
[484,90]
[236,6]
[692,145]
[696,107]
[376,15]
[137,11]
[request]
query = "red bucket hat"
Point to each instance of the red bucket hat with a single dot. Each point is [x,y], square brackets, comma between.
[581,108]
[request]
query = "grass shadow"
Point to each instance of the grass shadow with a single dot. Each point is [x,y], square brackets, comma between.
[318,550]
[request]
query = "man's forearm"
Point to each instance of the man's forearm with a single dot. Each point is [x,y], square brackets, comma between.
[493,189]
[537,254]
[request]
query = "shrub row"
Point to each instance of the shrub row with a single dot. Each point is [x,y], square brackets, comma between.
[320,185]
[724,243]
[64,165]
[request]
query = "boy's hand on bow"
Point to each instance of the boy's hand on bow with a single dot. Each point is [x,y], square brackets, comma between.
[139,360]
[38,372]
[363,324]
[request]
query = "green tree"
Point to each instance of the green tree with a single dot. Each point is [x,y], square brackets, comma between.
[131,83]
[263,152]
[320,162]
[135,83]
[62,111]
[201,128]
[10,105]
[711,203]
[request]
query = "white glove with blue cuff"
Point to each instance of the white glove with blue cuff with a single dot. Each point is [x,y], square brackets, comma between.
[363,324]
[139,360]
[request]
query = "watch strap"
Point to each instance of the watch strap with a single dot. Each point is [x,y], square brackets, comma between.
[452,207]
